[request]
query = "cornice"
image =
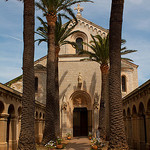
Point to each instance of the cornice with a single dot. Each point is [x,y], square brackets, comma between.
[139,92]
[92,24]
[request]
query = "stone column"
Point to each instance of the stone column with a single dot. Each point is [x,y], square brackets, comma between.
[138,132]
[64,119]
[37,130]
[148,130]
[129,130]
[134,131]
[40,135]
[12,133]
[3,131]
[18,128]
[95,118]
[141,133]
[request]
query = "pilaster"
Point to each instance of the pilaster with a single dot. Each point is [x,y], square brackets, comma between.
[3,131]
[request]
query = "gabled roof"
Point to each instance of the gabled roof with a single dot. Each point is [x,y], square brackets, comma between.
[93,24]
[10,91]
[128,63]
[137,91]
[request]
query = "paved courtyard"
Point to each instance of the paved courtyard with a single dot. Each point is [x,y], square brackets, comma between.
[78,143]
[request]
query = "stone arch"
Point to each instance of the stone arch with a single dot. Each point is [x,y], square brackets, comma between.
[134,110]
[81,98]
[142,123]
[40,115]
[1,107]
[124,113]
[11,126]
[11,109]
[141,109]
[36,114]
[80,107]
[128,112]
[43,116]
[81,35]
[148,106]
[124,83]
[19,111]
[129,125]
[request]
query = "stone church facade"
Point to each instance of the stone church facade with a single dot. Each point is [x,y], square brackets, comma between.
[80,91]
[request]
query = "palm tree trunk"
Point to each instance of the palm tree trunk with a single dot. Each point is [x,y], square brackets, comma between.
[117,130]
[52,105]
[57,86]
[104,102]
[27,135]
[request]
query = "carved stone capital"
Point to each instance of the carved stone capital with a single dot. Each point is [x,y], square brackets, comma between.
[64,106]
[95,105]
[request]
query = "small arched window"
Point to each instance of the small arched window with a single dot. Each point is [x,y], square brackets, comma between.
[36,84]
[124,87]
[79,42]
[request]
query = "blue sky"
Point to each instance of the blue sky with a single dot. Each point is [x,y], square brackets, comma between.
[136,30]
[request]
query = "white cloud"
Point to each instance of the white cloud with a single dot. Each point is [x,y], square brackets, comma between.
[5,35]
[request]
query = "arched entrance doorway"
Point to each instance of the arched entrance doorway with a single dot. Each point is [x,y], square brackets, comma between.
[82,113]
[80,121]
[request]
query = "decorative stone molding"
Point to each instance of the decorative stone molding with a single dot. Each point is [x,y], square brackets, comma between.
[64,103]
[79,80]
[95,105]
[64,106]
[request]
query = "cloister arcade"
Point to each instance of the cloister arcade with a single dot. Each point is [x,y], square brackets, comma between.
[10,118]
[136,112]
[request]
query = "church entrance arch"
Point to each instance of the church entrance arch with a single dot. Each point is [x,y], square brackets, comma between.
[82,113]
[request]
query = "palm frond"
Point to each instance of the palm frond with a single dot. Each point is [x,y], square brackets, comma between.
[127,52]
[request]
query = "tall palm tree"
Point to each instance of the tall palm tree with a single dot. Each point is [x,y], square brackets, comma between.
[62,32]
[117,131]
[100,54]
[27,135]
[51,8]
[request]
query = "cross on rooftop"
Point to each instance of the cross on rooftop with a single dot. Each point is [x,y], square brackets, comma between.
[79,9]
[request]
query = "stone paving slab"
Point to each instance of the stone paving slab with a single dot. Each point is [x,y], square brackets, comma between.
[78,143]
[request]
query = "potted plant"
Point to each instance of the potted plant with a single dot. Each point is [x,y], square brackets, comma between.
[68,136]
[97,143]
[90,135]
[58,141]
[51,145]
[93,145]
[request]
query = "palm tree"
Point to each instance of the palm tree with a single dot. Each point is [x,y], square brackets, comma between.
[125,51]
[27,135]
[62,32]
[51,8]
[117,131]
[100,54]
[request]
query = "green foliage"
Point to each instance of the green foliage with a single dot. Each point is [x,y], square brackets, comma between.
[53,7]
[100,50]
[68,134]
[59,140]
[62,32]
[125,51]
